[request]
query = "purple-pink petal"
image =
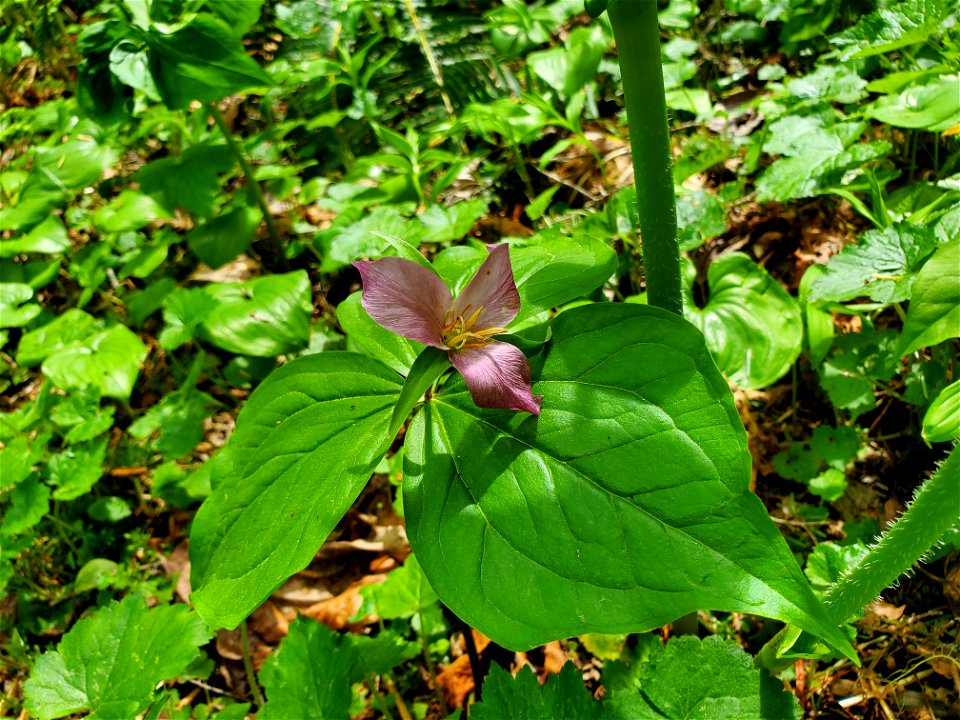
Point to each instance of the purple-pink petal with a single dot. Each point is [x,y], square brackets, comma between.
[497,376]
[493,289]
[405,298]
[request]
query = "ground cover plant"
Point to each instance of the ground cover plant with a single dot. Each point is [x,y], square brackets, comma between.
[480,359]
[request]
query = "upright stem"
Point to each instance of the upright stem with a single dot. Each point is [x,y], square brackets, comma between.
[248,665]
[637,33]
[253,187]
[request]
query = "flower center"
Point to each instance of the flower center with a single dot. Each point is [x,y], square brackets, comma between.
[458,333]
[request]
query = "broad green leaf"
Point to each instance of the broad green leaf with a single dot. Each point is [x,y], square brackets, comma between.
[548,272]
[829,83]
[96,573]
[934,312]
[799,177]
[752,325]
[131,210]
[523,697]
[49,238]
[856,362]
[109,360]
[16,460]
[941,423]
[365,335]
[238,16]
[882,266]
[202,61]
[933,106]
[700,216]
[894,26]
[111,661]
[638,446]
[305,444]
[568,69]
[30,502]
[184,311]
[178,418]
[710,679]
[263,317]
[130,63]
[221,239]
[342,244]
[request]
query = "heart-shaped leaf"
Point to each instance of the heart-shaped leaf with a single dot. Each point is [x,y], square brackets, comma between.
[305,444]
[622,507]
[752,325]
[109,360]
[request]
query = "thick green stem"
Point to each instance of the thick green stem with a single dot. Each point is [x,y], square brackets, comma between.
[253,187]
[934,510]
[637,32]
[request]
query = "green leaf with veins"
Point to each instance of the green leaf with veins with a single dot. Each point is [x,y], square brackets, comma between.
[882,266]
[30,502]
[109,360]
[638,446]
[110,662]
[725,686]
[203,61]
[305,444]
[76,469]
[897,25]
[934,312]
[523,697]
[189,181]
[752,325]
[366,336]
[263,317]
[932,106]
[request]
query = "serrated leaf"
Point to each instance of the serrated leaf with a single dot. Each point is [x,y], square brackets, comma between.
[790,178]
[829,561]
[934,312]
[76,469]
[524,698]
[882,266]
[724,686]
[891,27]
[30,501]
[109,360]
[111,661]
[752,325]
[638,445]
[305,444]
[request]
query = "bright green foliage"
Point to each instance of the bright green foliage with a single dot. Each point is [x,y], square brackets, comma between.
[30,501]
[16,310]
[308,439]
[725,686]
[109,663]
[931,106]
[752,325]
[882,266]
[405,592]
[569,68]
[820,463]
[364,335]
[109,360]
[829,561]
[637,446]
[524,698]
[934,312]
[942,420]
[894,26]
[310,674]
[856,362]
[219,240]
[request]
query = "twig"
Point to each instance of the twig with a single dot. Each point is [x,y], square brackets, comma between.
[248,665]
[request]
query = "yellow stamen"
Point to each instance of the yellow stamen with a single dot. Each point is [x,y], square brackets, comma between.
[459,333]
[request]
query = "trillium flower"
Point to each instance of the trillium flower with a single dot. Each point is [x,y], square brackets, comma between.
[410,300]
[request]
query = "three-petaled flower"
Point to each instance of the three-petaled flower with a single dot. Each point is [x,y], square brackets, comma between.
[410,300]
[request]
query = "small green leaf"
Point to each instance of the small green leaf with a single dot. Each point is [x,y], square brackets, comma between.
[218,241]
[724,686]
[523,697]
[109,509]
[263,317]
[111,661]
[49,238]
[752,325]
[109,360]
[934,312]
[95,574]
[30,502]
[941,423]
[405,592]
[932,106]
[76,469]
[305,444]
[189,181]
[638,445]
[131,210]
[882,266]
[15,308]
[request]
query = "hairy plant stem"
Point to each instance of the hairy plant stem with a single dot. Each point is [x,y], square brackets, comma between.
[253,187]
[637,32]
[248,665]
[934,510]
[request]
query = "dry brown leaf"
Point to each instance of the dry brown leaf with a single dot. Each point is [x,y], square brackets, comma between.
[336,612]
[456,681]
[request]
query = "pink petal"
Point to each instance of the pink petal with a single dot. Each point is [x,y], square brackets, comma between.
[405,298]
[498,376]
[493,289]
